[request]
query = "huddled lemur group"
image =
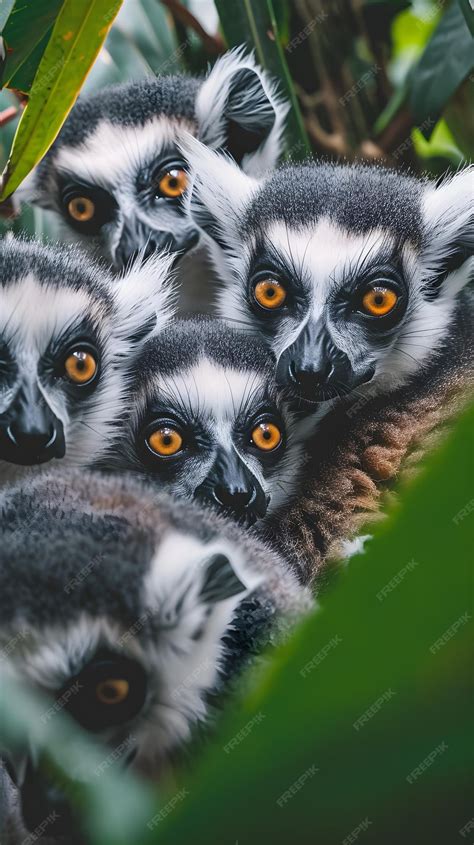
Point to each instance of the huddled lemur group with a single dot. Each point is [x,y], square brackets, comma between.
[201,411]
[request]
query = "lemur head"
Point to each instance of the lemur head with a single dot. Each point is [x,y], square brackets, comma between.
[67,332]
[351,272]
[130,615]
[116,176]
[208,421]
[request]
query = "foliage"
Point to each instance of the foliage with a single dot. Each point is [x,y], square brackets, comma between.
[367,708]
[384,79]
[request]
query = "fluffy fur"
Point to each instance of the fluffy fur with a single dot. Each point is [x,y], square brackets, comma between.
[213,384]
[105,565]
[51,300]
[326,232]
[366,446]
[115,144]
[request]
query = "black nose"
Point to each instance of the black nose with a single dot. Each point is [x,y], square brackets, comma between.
[309,381]
[31,440]
[233,497]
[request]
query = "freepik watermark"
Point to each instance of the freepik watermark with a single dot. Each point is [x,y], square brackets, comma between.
[464,512]
[361,83]
[467,828]
[39,831]
[61,702]
[298,784]
[408,143]
[320,656]
[397,579]
[244,733]
[168,808]
[373,709]
[354,834]
[426,763]
[83,573]
[114,755]
[304,33]
[12,644]
[450,632]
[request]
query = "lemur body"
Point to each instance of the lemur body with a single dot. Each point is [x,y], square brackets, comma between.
[68,332]
[208,422]
[161,600]
[116,177]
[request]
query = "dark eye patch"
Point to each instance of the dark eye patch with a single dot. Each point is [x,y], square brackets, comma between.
[105,206]
[82,335]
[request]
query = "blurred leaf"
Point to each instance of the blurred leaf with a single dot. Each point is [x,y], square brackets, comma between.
[447,60]
[459,115]
[253,22]
[468,12]
[441,146]
[364,717]
[25,30]
[114,805]
[76,39]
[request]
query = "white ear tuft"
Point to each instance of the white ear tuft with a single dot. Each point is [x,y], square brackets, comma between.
[219,190]
[146,296]
[240,109]
[448,214]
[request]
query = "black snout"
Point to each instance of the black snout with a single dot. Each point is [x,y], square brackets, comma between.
[30,433]
[45,807]
[233,488]
[315,369]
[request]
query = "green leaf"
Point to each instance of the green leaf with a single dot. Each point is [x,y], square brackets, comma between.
[445,63]
[113,804]
[364,716]
[77,37]
[468,12]
[254,23]
[24,31]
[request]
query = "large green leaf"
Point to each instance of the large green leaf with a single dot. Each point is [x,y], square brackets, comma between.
[253,22]
[445,63]
[77,37]
[24,32]
[360,728]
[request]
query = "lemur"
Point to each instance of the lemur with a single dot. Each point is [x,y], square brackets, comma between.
[115,175]
[206,421]
[354,274]
[68,332]
[357,277]
[148,607]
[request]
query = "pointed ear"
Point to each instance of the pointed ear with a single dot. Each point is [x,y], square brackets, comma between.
[219,191]
[240,110]
[145,296]
[448,242]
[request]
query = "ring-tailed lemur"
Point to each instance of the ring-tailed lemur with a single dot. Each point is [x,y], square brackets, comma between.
[67,333]
[364,446]
[354,274]
[208,422]
[115,174]
[145,607]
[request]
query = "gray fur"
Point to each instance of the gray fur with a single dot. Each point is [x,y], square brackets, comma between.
[86,565]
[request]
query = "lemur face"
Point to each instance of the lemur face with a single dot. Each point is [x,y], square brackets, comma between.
[66,331]
[124,619]
[208,422]
[115,174]
[350,272]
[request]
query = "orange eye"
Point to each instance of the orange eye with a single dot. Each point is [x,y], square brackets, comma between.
[379,301]
[165,441]
[81,209]
[266,436]
[173,183]
[80,366]
[112,691]
[270,294]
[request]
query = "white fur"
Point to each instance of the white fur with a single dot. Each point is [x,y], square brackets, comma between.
[263,94]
